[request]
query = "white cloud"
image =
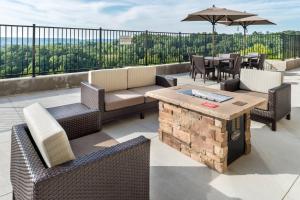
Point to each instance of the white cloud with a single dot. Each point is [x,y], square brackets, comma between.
[155,15]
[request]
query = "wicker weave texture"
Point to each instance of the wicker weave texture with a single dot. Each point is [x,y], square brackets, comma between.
[118,172]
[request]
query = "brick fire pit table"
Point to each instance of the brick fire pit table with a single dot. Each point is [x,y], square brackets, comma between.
[209,132]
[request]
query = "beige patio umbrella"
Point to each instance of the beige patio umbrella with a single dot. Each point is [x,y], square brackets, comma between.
[245,22]
[214,15]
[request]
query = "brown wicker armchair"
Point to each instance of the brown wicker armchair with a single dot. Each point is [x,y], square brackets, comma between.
[108,174]
[278,100]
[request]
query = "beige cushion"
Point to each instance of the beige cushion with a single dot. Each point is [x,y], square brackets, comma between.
[91,143]
[259,81]
[121,99]
[143,90]
[109,79]
[263,106]
[141,76]
[48,135]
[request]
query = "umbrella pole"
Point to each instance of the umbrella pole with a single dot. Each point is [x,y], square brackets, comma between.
[213,39]
[245,39]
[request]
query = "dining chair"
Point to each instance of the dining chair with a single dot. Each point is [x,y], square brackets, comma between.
[229,64]
[259,64]
[201,68]
[235,70]
[191,62]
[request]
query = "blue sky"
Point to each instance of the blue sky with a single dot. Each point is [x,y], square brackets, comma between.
[156,15]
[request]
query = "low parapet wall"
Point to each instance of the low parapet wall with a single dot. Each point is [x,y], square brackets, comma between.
[58,81]
[285,64]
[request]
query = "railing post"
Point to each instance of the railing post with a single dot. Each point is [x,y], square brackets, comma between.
[283,46]
[294,45]
[100,47]
[205,44]
[179,49]
[146,47]
[33,50]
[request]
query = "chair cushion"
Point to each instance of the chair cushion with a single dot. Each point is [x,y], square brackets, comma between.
[141,76]
[259,81]
[109,79]
[263,106]
[91,143]
[142,91]
[121,99]
[48,135]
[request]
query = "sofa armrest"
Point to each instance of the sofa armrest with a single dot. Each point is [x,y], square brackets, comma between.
[80,125]
[92,96]
[280,100]
[111,173]
[230,85]
[25,162]
[166,81]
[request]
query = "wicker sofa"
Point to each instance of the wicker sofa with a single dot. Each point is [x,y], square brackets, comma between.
[119,92]
[264,84]
[108,173]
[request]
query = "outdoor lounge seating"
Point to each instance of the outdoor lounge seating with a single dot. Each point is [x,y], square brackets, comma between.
[119,92]
[265,84]
[102,169]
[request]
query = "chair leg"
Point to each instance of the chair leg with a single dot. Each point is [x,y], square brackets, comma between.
[288,117]
[13,195]
[274,126]
[142,115]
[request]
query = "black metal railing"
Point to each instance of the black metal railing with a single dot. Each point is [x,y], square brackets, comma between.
[37,50]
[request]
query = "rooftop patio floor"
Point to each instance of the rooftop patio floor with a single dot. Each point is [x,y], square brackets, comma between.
[270,171]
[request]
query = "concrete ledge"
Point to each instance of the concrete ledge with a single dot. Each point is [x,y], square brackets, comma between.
[71,80]
[284,65]
[174,68]
[40,83]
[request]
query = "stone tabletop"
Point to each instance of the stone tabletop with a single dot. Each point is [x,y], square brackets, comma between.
[226,110]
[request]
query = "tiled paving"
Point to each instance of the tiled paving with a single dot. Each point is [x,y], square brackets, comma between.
[271,171]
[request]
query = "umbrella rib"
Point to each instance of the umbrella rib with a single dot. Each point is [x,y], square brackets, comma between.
[205,18]
[221,16]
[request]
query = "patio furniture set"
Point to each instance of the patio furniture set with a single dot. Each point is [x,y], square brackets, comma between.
[44,166]
[61,153]
[226,64]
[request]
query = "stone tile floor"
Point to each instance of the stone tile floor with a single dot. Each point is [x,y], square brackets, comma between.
[271,171]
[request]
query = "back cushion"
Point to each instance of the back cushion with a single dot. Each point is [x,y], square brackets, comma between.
[141,76]
[259,81]
[48,135]
[109,79]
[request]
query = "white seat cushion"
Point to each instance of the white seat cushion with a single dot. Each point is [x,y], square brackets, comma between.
[109,79]
[48,135]
[144,90]
[91,143]
[141,76]
[122,99]
[259,81]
